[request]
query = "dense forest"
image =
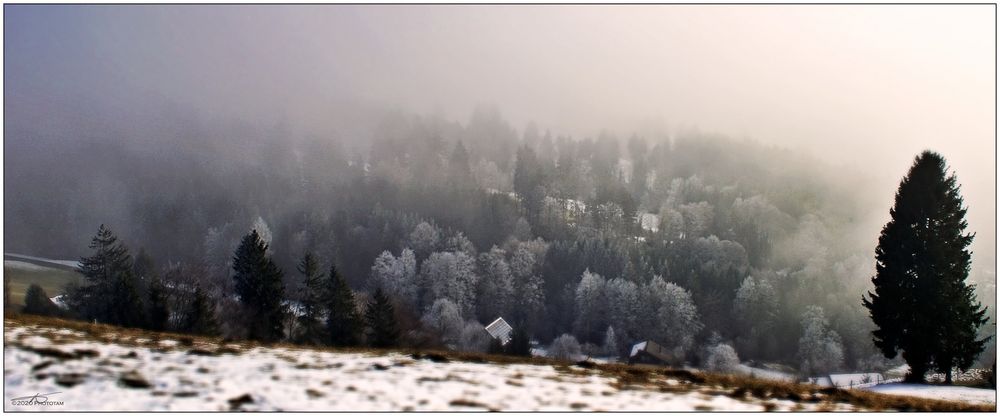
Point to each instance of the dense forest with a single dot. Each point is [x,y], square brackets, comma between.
[691,240]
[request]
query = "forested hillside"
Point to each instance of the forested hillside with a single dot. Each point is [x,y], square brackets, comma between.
[690,240]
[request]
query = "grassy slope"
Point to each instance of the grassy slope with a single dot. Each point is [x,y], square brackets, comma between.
[743,387]
[52,280]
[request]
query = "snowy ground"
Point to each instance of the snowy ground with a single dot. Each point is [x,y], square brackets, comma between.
[954,393]
[39,261]
[20,265]
[91,373]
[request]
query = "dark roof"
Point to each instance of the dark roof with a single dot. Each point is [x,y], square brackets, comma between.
[652,349]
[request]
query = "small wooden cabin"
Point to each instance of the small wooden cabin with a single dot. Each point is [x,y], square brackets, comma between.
[649,352]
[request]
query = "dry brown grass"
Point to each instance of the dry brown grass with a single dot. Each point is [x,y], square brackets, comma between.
[627,376]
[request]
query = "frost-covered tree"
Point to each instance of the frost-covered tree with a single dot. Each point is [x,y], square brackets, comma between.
[697,218]
[756,223]
[820,350]
[451,275]
[444,319]
[671,223]
[218,246]
[489,176]
[263,230]
[529,290]
[523,262]
[530,299]
[473,337]
[496,285]
[424,239]
[522,230]
[396,275]
[591,307]
[611,345]
[675,320]
[721,358]
[624,308]
[755,308]
[565,347]
[459,242]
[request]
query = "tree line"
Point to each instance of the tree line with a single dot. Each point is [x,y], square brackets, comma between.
[479,221]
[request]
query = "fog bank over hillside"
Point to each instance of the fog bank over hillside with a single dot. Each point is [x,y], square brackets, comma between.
[862,88]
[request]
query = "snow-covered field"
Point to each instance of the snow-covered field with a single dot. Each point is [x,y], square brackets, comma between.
[119,372]
[954,393]
[20,265]
[22,258]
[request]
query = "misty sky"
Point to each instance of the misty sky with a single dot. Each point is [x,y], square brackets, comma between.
[866,86]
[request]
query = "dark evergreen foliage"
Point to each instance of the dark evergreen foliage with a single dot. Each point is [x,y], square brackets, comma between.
[313,290]
[495,347]
[380,318]
[110,294]
[922,305]
[200,317]
[343,322]
[159,312]
[260,289]
[37,302]
[520,343]
[793,226]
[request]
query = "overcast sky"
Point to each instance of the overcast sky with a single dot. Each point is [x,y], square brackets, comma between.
[867,86]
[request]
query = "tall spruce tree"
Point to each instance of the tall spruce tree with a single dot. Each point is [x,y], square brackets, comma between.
[260,289]
[381,320]
[110,294]
[342,322]
[922,305]
[310,327]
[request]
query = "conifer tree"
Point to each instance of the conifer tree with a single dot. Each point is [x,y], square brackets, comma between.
[381,321]
[520,343]
[200,318]
[37,302]
[110,294]
[159,312]
[922,305]
[342,322]
[260,289]
[311,329]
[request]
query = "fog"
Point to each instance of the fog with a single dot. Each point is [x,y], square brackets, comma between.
[851,92]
